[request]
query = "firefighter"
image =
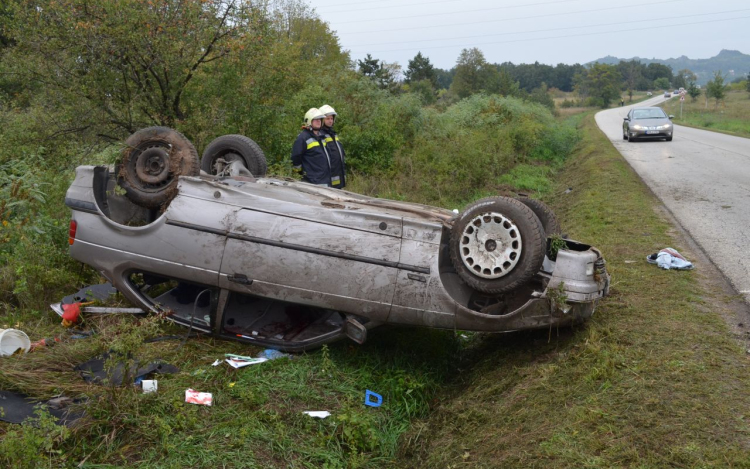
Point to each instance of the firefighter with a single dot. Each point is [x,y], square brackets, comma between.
[309,151]
[335,150]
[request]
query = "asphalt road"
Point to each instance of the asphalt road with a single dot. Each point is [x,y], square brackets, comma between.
[703,178]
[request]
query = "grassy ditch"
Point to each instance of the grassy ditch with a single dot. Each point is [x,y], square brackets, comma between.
[653,380]
[731,116]
[480,146]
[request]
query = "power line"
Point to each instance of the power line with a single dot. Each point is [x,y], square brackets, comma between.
[381,7]
[357,2]
[507,7]
[565,36]
[412,28]
[547,30]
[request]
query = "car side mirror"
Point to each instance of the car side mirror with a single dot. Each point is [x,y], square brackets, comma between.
[626,118]
[671,116]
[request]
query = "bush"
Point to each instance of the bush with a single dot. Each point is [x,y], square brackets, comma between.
[462,153]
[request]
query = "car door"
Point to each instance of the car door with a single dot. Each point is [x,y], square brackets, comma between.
[344,260]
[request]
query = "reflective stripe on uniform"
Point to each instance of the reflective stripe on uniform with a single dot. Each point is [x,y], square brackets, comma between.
[313,144]
[328,139]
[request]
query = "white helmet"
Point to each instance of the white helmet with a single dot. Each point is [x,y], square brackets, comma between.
[328,110]
[312,114]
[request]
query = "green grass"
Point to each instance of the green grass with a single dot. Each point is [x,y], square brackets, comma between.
[256,420]
[731,116]
[653,380]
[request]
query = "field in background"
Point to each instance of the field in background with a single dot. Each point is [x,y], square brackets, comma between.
[731,116]
[568,103]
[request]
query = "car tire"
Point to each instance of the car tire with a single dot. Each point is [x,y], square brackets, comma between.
[624,136]
[489,224]
[669,139]
[151,163]
[544,214]
[234,147]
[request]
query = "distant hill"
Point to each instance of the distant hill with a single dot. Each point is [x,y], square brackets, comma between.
[732,63]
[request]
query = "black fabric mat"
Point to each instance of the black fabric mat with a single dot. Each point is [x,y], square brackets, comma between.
[93,371]
[15,408]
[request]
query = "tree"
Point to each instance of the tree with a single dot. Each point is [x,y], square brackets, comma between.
[661,83]
[424,90]
[472,73]
[654,71]
[445,77]
[503,84]
[388,75]
[693,90]
[541,95]
[716,88]
[384,74]
[369,67]
[600,83]
[747,83]
[127,64]
[631,72]
[420,69]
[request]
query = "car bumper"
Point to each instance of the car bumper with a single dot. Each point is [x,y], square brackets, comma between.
[648,133]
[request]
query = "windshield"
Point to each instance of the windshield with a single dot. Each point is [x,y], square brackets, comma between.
[649,114]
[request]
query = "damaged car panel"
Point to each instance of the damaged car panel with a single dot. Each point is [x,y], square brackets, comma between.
[292,266]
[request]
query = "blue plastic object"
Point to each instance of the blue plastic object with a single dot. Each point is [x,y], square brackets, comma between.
[369,395]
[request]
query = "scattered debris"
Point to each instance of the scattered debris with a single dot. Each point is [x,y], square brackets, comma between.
[99,292]
[95,371]
[70,312]
[318,414]
[13,341]
[200,398]
[568,190]
[16,408]
[369,395]
[47,342]
[273,354]
[239,361]
[216,363]
[669,258]
[149,385]
[50,341]
[630,262]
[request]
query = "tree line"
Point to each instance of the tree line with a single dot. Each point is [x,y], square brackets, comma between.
[596,84]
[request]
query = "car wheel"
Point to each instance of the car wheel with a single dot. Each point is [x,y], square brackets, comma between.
[228,148]
[151,163]
[669,139]
[624,136]
[544,214]
[497,244]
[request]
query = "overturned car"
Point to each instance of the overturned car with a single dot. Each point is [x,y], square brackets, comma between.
[290,265]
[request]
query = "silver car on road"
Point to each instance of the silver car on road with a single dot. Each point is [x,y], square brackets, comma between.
[647,123]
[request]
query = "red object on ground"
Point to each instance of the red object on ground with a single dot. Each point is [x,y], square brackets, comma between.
[71,313]
[44,343]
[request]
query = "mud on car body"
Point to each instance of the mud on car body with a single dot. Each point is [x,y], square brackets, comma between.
[292,266]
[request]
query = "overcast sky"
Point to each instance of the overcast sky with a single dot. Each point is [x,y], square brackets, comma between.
[547,31]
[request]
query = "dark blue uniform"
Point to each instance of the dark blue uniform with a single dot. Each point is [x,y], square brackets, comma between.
[309,153]
[338,158]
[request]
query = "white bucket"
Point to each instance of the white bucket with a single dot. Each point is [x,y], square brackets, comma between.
[11,340]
